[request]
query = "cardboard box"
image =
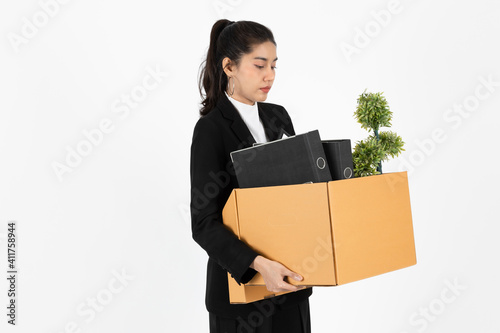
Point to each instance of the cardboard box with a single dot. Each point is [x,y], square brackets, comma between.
[331,233]
[246,294]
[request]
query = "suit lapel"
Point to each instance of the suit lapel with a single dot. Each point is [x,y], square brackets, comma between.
[238,125]
[270,128]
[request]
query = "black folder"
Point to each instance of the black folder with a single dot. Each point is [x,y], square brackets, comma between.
[339,157]
[292,160]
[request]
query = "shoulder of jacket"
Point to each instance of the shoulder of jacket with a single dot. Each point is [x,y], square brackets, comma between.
[273,107]
[208,123]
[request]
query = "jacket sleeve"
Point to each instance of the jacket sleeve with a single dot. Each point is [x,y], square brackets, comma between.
[209,181]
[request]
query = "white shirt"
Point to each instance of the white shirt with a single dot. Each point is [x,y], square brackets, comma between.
[250,115]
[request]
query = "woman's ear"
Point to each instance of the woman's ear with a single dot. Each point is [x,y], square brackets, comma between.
[227,66]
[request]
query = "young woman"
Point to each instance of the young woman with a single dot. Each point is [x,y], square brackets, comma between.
[236,78]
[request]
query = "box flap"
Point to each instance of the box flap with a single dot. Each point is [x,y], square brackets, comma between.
[230,213]
[242,294]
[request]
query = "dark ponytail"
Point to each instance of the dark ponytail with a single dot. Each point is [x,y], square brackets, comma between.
[232,40]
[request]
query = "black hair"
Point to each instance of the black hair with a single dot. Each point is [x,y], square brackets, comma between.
[227,39]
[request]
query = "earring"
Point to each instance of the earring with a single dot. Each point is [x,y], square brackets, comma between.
[231,94]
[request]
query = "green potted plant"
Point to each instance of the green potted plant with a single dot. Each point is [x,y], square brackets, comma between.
[372,112]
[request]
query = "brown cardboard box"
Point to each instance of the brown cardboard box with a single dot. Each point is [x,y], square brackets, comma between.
[247,294]
[331,233]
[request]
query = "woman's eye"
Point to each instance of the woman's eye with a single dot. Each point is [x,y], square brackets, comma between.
[260,67]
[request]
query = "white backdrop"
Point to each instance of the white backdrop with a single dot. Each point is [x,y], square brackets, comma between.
[98,104]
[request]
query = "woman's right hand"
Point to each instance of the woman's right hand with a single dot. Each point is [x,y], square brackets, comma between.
[274,273]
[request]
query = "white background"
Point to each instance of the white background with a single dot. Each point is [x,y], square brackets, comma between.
[123,208]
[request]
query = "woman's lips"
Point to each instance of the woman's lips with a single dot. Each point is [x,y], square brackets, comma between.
[265,89]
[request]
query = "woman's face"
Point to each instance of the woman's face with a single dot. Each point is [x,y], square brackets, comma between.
[255,74]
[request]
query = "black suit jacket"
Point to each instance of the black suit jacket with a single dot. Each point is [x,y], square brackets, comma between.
[212,180]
